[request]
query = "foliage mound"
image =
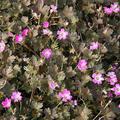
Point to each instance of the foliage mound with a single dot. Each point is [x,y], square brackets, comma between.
[59,60]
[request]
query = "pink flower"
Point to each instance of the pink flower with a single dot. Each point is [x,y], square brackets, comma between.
[108,10]
[112,79]
[114,67]
[16,96]
[82,65]
[53,9]
[19,38]
[97,78]
[115,7]
[46,24]
[25,32]
[52,84]
[47,32]
[62,34]
[94,45]
[119,106]
[74,102]
[116,89]
[6,103]
[65,95]
[2,46]
[10,34]
[46,53]
[110,94]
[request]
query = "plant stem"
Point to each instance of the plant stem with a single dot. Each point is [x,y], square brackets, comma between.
[104,108]
[58,104]
[56,2]
[83,101]
[31,97]
[30,49]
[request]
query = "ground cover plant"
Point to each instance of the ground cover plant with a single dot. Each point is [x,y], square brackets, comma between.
[59,60]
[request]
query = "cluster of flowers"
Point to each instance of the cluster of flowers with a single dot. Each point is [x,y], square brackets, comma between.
[113,8]
[111,79]
[97,77]
[82,64]
[20,37]
[64,95]
[16,97]
[62,34]
[2,46]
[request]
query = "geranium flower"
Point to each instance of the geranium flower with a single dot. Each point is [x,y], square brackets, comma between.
[65,95]
[6,103]
[119,106]
[62,34]
[115,7]
[25,32]
[116,89]
[52,84]
[82,65]
[112,78]
[16,96]
[108,11]
[74,103]
[19,38]
[2,46]
[46,53]
[94,45]
[10,34]
[47,32]
[97,78]
[45,24]
[53,8]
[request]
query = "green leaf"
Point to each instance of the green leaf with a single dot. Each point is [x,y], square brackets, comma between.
[61,76]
